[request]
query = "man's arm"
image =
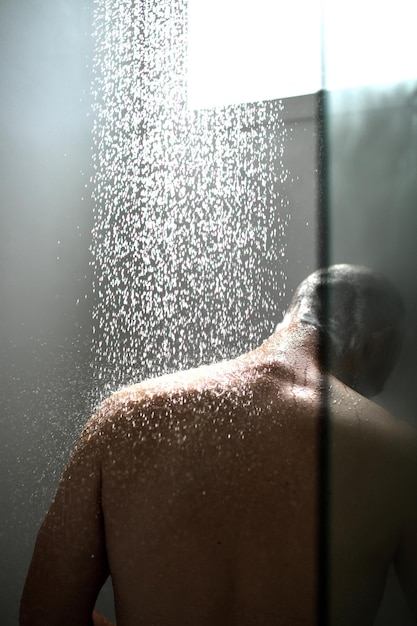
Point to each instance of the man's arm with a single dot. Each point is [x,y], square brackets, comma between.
[69,564]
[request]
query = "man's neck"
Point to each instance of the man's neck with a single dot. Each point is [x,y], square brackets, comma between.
[297,345]
[292,337]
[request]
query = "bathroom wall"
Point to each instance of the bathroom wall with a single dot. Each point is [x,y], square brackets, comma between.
[45,281]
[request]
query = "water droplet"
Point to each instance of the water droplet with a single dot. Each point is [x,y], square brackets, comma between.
[189,211]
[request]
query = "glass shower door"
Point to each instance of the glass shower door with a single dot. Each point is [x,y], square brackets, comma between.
[368,140]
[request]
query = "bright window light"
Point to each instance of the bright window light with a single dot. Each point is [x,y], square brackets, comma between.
[252,50]
[369,42]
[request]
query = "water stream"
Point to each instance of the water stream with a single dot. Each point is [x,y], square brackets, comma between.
[190,218]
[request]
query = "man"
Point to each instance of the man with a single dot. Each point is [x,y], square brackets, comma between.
[200,492]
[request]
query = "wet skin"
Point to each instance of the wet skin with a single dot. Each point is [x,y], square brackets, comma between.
[198,493]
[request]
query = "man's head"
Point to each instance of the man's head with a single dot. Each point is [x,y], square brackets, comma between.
[360,316]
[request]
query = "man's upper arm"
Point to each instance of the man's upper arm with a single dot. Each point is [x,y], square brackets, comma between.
[69,564]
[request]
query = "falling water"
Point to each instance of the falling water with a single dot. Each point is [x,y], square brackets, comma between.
[190,218]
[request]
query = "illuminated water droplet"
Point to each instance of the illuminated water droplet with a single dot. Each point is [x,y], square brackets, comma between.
[190,218]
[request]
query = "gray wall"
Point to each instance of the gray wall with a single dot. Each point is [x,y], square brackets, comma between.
[44,264]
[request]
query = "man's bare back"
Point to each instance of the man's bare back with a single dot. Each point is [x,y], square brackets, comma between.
[198,492]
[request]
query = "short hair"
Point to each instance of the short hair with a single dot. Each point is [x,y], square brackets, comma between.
[347,303]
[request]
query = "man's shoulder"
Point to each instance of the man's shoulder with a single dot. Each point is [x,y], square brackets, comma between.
[167,394]
[369,427]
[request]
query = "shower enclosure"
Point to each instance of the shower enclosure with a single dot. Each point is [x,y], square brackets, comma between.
[322,175]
